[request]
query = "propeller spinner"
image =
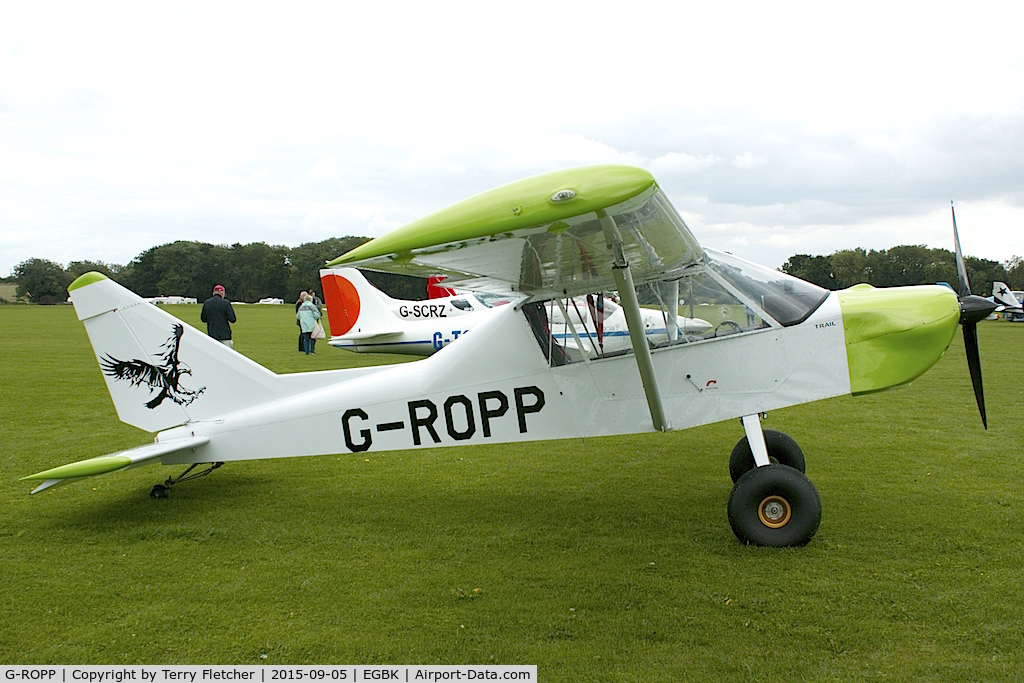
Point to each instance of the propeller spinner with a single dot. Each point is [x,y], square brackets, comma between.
[972,310]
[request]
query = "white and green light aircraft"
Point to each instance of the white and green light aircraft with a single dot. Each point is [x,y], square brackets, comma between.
[777,341]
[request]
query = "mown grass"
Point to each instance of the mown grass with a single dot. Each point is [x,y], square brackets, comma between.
[596,559]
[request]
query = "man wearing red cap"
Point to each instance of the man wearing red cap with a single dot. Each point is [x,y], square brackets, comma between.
[218,314]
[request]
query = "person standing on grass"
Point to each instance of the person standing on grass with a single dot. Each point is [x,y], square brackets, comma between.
[298,302]
[308,315]
[218,316]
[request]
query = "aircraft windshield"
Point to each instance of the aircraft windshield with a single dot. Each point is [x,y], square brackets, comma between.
[786,299]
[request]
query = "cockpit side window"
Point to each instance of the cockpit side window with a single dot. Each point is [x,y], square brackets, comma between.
[715,299]
[492,300]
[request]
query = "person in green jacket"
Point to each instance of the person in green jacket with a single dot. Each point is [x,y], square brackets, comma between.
[308,315]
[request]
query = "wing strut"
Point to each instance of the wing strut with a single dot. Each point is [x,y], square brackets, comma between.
[631,307]
[672,319]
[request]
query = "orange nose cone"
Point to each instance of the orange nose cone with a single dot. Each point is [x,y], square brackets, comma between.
[342,303]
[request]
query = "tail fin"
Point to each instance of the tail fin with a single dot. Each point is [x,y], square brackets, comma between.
[1003,296]
[161,372]
[436,290]
[355,308]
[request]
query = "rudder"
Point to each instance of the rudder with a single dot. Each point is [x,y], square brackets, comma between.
[161,372]
[355,308]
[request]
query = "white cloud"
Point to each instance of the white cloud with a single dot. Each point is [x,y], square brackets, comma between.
[773,128]
[378,225]
[680,162]
[748,160]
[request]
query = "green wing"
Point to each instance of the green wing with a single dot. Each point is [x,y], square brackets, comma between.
[544,236]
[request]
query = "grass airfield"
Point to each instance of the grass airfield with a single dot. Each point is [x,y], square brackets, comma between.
[597,559]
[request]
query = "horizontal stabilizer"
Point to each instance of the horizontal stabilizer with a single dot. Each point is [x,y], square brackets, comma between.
[382,335]
[113,462]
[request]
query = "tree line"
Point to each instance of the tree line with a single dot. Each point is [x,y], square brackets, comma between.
[903,265]
[251,272]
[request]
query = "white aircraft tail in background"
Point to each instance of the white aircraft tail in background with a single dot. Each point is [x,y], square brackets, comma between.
[1003,296]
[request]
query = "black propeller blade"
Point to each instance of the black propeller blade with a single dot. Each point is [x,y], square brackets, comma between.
[972,310]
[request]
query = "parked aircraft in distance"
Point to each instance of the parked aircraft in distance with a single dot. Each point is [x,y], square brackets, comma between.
[364,319]
[1008,301]
[171,300]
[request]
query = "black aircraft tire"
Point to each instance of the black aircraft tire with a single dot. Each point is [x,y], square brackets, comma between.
[159,491]
[782,450]
[775,506]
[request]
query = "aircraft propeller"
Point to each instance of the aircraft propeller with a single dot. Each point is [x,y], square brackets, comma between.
[972,310]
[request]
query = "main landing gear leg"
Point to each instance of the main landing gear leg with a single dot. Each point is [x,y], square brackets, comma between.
[772,502]
[164,490]
[759,448]
[755,437]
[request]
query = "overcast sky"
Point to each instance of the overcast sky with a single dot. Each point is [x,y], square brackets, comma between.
[775,128]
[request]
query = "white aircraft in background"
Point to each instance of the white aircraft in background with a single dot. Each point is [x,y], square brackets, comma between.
[551,238]
[1007,301]
[364,319]
[597,323]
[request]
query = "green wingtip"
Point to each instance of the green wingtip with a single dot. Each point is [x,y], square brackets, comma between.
[84,468]
[86,279]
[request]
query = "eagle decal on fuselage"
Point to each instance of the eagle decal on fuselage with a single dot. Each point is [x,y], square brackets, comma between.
[163,378]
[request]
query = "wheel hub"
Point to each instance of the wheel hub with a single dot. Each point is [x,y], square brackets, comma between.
[774,512]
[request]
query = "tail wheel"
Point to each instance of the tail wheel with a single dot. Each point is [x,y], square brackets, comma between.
[774,506]
[782,450]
